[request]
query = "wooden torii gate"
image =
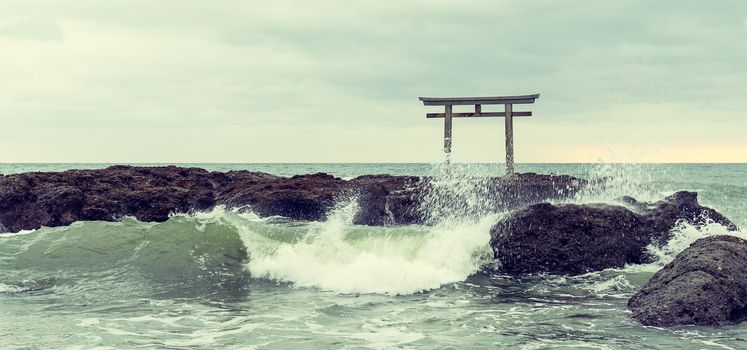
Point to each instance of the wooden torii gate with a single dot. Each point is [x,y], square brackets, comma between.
[478,102]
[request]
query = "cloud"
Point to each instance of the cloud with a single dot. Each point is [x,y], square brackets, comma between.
[31,28]
[303,73]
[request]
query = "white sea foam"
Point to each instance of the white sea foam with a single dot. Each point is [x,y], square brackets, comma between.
[220,212]
[378,262]
[382,337]
[683,235]
[9,288]
[20,233]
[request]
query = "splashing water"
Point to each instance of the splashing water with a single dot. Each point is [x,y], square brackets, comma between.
[609,182]
[683,235]
[338,256]
[457,194]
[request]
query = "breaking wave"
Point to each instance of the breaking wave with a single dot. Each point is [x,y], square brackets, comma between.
[208,250]
[340,257]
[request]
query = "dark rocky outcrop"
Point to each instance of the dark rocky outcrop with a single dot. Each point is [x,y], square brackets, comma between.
[301,197]
[706,284]
[33,200]
[385,199]
[572,239]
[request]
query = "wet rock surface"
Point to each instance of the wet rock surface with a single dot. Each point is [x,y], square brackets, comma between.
[706,284]
[572,239]
[33,200]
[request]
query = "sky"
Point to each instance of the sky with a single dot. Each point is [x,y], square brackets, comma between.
[339,81]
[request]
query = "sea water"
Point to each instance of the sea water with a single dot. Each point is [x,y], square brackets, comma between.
[230,279]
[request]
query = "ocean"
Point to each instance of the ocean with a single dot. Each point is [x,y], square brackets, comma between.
[225,279]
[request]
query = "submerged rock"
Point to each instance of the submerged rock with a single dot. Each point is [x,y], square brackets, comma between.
[33,200]
[706,284]
[571,239]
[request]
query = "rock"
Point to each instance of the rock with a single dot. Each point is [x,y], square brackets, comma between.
[521,190]
[389,199]
[301,197]
[33,200]
[684,206]
[63,203]
[386,200]
[571,239]
[704,285]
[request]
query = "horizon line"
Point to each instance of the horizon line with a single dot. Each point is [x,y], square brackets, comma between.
[238,163]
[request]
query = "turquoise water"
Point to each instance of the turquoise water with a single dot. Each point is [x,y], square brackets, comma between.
[223,279]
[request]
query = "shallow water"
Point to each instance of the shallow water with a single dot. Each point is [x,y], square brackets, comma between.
[225,279]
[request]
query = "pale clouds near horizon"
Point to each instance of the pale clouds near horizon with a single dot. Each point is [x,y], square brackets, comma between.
[338,81]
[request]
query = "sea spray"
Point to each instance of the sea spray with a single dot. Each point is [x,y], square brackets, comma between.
[338,256]
[608,182]
[455,195]
[683,235]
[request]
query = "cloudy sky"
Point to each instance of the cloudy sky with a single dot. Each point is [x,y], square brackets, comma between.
[338,81]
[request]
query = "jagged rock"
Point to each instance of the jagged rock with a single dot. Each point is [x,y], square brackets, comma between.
[33,200]
[301,197]
[409,200]
[705,284]
[571,239]
[385,199]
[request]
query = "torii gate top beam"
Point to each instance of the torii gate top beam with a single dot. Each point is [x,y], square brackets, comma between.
[491,100]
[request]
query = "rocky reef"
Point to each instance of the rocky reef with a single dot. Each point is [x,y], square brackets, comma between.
[705,285]
[571,239]
[33,200]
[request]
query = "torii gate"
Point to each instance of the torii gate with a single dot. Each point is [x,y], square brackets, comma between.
[507,101]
